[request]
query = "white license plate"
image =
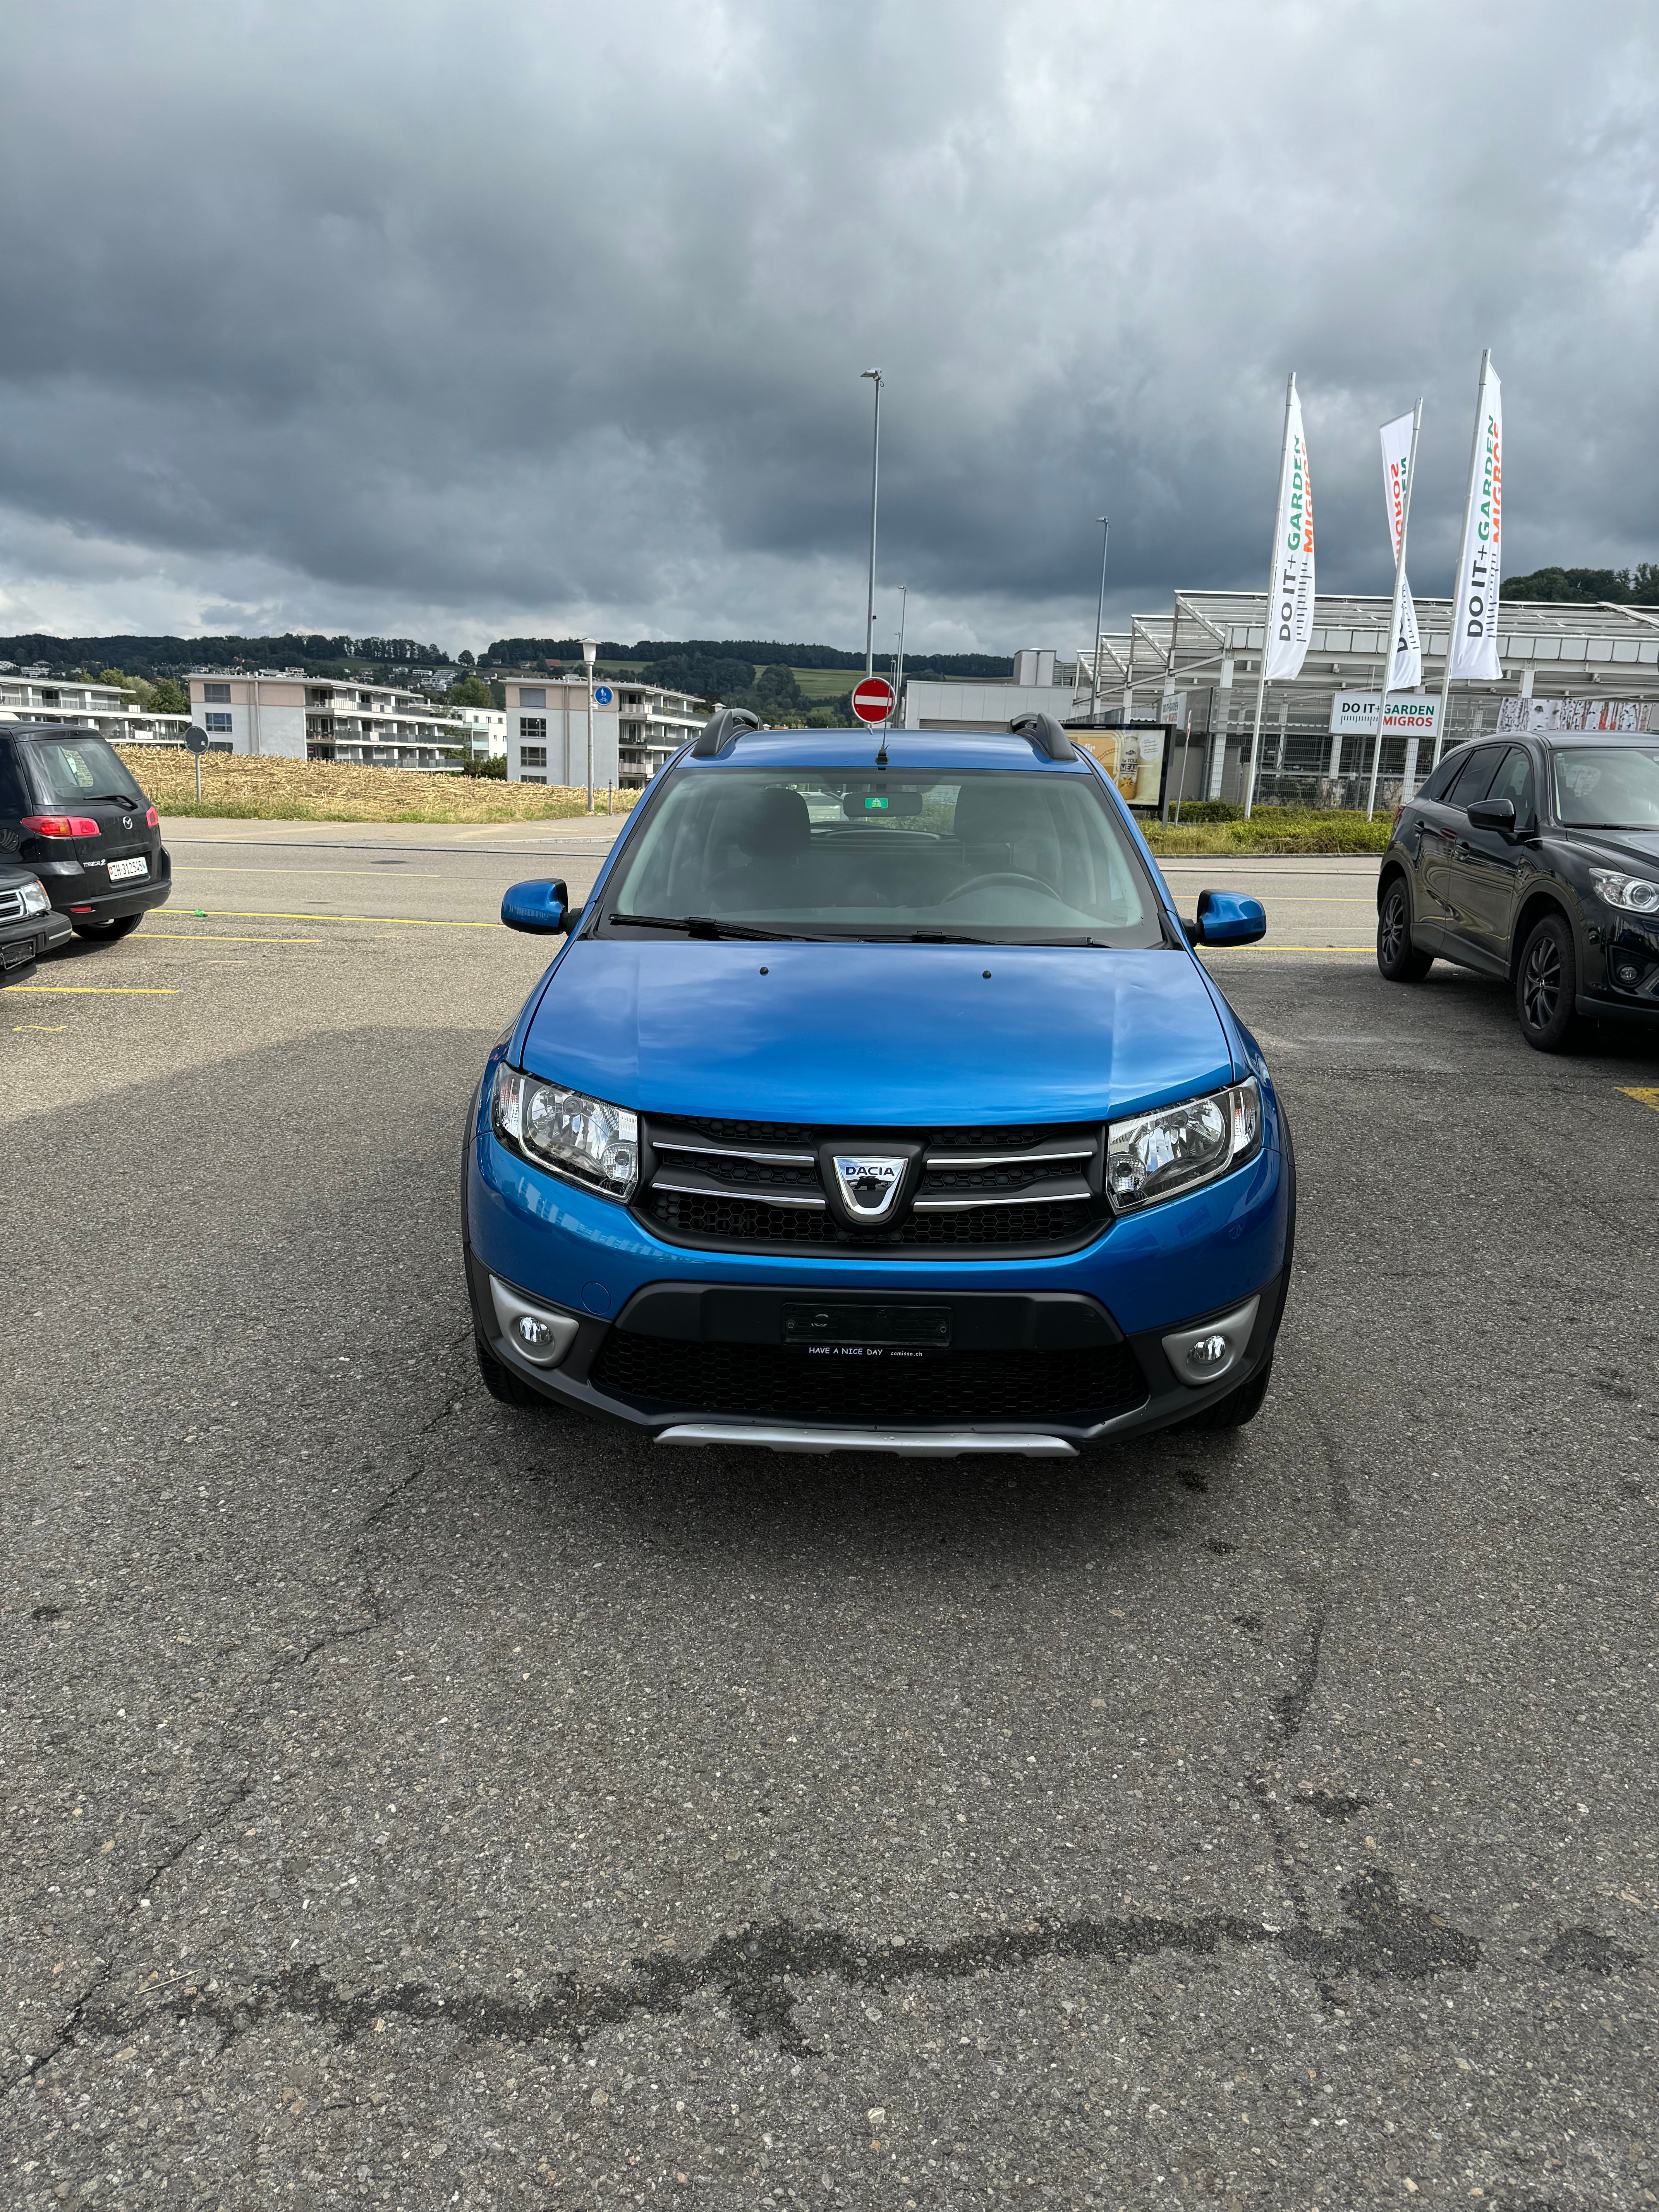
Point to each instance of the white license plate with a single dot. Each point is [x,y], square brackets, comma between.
[120,870]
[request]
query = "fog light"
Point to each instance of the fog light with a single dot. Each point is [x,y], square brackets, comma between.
[541,1334]
[1203,1355]
[1627,974]
[1209,1354]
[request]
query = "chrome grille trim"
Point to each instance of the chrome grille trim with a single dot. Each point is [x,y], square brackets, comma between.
[1047,1193]
[11,906]
[760,1193]
[1011,1159]
[737,1153]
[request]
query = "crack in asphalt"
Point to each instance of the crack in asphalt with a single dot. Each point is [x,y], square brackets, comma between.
[758,1971]
[81,2011]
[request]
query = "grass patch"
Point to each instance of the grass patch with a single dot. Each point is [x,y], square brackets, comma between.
[1274,829]
[239,786]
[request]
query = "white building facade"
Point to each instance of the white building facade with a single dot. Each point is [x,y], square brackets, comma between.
[285,715]
[547,732]
[25,698]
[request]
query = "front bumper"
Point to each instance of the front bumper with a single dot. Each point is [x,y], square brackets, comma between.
[1173,1267]
[22,942]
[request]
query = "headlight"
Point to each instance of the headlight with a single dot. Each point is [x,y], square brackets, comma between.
[582,1138]
[1634,894]
[34,899]
[1159,1156]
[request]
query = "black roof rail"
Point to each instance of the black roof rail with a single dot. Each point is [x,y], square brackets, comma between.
[1046,734]
[721,729]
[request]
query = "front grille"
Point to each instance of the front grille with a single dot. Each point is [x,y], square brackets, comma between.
[1068,1389]
[756,1185]
[11,906]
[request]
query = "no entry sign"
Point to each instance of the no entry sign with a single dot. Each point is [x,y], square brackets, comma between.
[873,700]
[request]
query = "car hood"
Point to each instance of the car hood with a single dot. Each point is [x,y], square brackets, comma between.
[1619,847]
[877,1034]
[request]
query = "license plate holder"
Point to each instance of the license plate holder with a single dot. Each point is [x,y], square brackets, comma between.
[830,1328]
[19,952]
[121,871]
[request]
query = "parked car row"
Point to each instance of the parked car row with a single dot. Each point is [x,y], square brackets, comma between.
[81,850]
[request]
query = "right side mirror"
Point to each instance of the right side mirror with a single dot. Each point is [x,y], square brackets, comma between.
[1228,917]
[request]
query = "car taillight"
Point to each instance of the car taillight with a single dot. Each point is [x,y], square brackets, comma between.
[151,820]
[61,825]
[1398,811]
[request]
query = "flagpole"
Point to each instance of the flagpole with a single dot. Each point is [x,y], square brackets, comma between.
[1393,619]
[1462,546]
[1267,611]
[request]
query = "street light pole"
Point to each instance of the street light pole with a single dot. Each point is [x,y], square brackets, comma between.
[874,376]
[1100,618]
[589,648]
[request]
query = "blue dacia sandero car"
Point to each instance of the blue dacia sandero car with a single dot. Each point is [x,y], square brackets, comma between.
[876,1100]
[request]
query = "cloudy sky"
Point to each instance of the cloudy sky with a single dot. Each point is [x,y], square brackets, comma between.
[459,317]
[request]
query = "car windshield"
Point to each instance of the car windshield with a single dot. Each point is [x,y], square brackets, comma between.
[81,768]
[975,856]
[1607,786]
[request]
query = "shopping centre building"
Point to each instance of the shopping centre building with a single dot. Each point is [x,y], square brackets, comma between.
[1196,668]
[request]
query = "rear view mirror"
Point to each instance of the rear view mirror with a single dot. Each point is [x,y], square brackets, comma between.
[541,909]
[1227,918]
[1492,814]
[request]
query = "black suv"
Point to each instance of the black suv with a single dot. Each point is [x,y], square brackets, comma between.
[1537,860]
[70,811]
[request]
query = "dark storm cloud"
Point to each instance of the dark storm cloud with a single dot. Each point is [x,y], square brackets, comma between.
[452,319]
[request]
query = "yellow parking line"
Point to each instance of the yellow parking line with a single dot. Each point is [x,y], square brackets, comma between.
[1643,1094]
[45,1028]
[90,991]
[1288,948]
[259,913]
[201,937]
[206,868]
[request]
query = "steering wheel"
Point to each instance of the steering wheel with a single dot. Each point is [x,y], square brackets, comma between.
[999,876]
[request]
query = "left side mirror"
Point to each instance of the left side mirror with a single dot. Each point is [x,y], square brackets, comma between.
[542,908]
[1492,814]
[1226,918]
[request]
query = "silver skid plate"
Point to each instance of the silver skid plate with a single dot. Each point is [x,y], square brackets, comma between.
[904,1444]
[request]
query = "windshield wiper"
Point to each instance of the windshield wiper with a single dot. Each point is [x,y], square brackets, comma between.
[920,937]
[704,924]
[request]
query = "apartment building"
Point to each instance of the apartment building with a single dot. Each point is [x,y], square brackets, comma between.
[289,716]
[636,727]
[31,695]
[487,731]
[655,725]
[547,731]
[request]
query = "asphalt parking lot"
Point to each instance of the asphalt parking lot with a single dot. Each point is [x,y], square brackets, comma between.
[413,1802]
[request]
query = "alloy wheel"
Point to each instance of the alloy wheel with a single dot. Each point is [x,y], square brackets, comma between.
[1394,925]
[1540,986]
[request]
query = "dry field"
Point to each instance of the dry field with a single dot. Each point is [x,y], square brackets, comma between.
[267,790]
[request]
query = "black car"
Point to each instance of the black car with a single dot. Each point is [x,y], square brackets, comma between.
[28,926]
[1536,859]
[70,811]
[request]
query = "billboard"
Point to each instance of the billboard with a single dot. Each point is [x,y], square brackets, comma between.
[1574,714]
[1134,758]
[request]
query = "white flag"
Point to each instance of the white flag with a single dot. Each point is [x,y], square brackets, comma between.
[1290,595]
[1408,665]
[1480,568]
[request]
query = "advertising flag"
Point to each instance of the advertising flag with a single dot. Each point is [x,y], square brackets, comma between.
[1406,668]
[1290,597]
[1475,615]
